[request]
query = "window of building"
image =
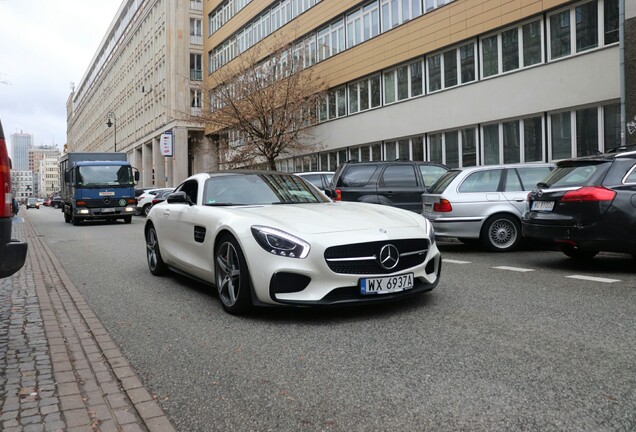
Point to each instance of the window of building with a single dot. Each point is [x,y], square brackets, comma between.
[611,125]
[434,4]
[403,82]
[512,49]
[610,25]
[363,24]
[195,98]
[334,105]
[196,68]
[364,94]
[331,40]
[513,141]
[196,31]
[561,135]
[587,139]
[396,12]
[450,68]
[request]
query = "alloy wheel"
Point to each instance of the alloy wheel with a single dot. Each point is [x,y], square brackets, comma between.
[228,276]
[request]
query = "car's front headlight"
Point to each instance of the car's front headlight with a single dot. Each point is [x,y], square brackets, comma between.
[431,233]
[279,242]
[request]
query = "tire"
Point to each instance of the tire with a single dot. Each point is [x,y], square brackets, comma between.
[577,253]
[67,218]
[501,233]
[153,255]
[233,280]
[146,210]
[127,219]
[75,220]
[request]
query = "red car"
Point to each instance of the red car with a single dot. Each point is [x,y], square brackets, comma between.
[12,252]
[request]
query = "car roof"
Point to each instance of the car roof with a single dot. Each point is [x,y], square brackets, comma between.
[313,172]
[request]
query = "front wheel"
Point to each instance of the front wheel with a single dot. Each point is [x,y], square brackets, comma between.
[578,253]
[233,281]
[74,219]
[155,263]
[127,219]
[501,233]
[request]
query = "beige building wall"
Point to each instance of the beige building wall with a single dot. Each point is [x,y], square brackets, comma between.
[140,80]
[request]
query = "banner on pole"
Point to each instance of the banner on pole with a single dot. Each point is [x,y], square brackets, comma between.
[166,144]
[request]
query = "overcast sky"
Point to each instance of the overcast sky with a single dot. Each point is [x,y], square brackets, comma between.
[45,45]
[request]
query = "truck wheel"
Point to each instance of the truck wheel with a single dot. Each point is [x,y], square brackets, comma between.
[127,219]
[74,219]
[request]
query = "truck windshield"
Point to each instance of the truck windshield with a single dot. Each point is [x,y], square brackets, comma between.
[105,175]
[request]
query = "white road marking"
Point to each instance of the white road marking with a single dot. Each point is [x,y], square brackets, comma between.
[452,261]
[517,269]
[593,279]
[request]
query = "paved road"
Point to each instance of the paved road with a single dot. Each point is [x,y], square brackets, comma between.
[490,349]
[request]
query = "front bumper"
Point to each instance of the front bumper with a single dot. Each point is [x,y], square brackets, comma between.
[104,212]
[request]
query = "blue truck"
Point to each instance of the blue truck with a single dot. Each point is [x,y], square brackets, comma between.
[97,186]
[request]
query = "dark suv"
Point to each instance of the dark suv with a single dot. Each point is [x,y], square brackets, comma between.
[586,205]
[396,183]
[12,252]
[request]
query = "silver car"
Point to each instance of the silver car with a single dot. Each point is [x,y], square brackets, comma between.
[483,204]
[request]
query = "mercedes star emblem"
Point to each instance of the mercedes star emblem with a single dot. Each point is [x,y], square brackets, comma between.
[389,257]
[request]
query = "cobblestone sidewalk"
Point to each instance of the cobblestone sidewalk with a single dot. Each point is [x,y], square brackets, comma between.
[59,368]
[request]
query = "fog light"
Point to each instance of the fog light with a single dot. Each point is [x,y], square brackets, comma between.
[83,211]
[129,209]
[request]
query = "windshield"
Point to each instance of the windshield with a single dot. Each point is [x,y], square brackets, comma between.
[105,175]
[259,189]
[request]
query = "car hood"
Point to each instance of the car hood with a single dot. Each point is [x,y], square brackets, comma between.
[329,217]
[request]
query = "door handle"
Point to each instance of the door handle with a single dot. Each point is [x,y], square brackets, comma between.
[166,212]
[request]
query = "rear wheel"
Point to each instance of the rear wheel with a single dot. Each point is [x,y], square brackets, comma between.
[155,263]
[146,209]
[578,253]
[501,233]
[233,281]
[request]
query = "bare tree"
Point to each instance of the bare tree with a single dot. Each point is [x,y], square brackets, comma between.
[264,104]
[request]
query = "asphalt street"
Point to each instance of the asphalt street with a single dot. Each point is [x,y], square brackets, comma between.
[506,342]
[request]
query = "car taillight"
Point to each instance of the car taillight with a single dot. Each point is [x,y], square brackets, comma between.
[338,195]
[155,201]
[5,179]
[443,206]
[589,193]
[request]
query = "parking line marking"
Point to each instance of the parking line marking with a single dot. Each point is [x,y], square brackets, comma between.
[593,279]
[452,261]
[517,269]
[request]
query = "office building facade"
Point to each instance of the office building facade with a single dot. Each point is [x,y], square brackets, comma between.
[20,145]
[462,82]
[144,82]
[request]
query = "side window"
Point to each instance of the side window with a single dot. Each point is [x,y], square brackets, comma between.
[357,175]
[430,173]
[190,188]
[482,181]
[531,176]
[316,179]
[513,183]
[398,176]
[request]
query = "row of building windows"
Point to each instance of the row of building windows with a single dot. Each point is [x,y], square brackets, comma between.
[353,28]
[223,13]
[535,138]
[497,53]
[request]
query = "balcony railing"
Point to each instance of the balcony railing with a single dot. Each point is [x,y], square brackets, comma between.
[196,39]
[196,111]
[196,74]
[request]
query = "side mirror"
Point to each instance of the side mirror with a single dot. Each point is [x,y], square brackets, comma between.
[136,175]
[178,198]
[329,193]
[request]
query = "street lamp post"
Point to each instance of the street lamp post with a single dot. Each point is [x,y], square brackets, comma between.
[113,122]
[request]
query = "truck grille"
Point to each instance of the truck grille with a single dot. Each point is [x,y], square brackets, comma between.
[362,258]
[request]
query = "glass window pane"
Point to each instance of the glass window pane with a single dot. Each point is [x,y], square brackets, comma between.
[612,125]
[469,148]
[389,151]
[532,43]
[467,55]
[587,131]
[561,136]
[364,154]
[452,149]
[398,176]
[375,91]
[490,56]
[389,87]
[513,183]
[511,143]
[435,148]
[450,68]
[376,152]
[532,139]
[417,145]
[491,144]
[482,181]
[586,26]
[403,82]
[364,94]
[416,78]
[560,34]
[404,151]
[353,98]
[342,107]
[610,27]
[434,73]
[510,49]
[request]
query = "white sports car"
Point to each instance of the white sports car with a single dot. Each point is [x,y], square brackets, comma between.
[269,238]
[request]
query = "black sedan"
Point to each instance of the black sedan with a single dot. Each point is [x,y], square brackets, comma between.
[586,205]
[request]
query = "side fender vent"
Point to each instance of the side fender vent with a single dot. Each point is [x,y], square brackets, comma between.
[199,234]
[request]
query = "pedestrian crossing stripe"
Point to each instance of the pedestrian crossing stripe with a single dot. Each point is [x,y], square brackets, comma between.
[593,279]
[517,269]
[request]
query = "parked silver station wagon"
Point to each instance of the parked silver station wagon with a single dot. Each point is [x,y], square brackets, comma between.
[483,203]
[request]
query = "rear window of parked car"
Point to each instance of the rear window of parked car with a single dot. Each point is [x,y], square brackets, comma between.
[531,176]
[442,183]
[431,173]
[569,176]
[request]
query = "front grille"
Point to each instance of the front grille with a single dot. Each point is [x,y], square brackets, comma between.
[416,250]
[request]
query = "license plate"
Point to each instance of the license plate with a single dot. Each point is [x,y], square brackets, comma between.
[386,285]
[108,210]
[106,193]
[542,205]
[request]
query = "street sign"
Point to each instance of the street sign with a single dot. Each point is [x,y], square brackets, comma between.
[166,144]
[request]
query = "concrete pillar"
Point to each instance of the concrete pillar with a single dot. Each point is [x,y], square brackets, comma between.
[170,173]
[146,151]
[159,164]
[180,159]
